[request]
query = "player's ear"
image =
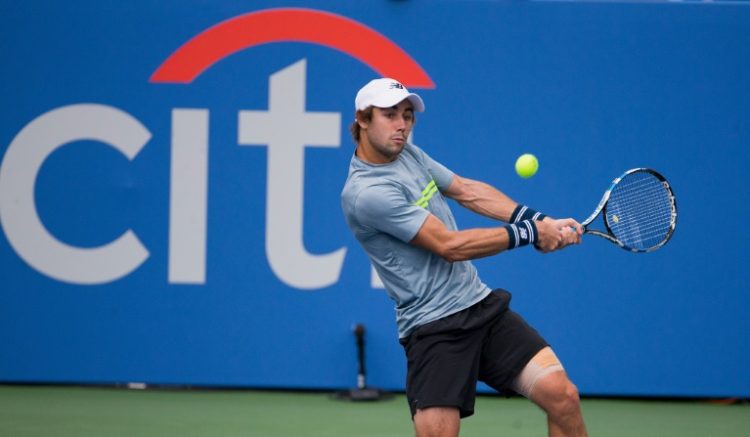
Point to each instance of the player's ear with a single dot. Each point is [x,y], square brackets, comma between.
[362,120]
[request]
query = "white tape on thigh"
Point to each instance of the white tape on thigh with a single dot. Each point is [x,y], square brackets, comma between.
[543,363]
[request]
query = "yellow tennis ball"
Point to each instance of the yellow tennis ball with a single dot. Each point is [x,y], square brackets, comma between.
[527,165]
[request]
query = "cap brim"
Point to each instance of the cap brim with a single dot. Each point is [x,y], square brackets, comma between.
[417,102]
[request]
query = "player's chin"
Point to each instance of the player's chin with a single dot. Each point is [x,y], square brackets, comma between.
[395,148]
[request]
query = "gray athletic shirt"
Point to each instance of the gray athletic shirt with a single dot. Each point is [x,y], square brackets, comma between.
[385,205]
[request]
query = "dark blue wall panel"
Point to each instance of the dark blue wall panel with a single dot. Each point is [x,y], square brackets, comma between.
[591,88]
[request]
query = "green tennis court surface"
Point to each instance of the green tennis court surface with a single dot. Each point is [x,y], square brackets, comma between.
[81,411]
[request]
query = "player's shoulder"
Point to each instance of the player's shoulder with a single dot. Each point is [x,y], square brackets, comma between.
[414,155]
[357,177]
[412,150]
[362,178]
[368,187]
[360,200]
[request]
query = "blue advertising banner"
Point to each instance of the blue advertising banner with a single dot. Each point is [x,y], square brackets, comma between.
[171,175]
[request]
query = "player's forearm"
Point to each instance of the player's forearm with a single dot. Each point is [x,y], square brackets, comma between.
[460,245]
[473,244]
[480,242]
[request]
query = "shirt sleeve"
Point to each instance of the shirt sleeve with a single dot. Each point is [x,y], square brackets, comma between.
[386,209]
[442,175]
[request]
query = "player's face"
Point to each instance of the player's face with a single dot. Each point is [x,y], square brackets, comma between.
[388,130]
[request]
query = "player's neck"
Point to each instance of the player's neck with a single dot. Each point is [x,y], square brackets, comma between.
[369,154]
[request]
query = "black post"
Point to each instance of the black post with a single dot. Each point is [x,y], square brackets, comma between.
[362,392]
[359,333]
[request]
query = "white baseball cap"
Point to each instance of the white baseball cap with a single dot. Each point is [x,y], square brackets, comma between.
[385,93]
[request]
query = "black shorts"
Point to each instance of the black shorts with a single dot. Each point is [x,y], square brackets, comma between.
[486,342]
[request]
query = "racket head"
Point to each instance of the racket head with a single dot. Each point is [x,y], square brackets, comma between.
[640,212]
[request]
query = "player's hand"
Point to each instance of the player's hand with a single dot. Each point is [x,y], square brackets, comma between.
[550,237]
[557,234]
[571,230]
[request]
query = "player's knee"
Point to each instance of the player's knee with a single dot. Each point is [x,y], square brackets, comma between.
[571,402]
[558,396]
[566,400]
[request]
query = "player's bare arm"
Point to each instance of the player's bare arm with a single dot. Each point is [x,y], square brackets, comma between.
[480,198]
[488,201]
[481,242]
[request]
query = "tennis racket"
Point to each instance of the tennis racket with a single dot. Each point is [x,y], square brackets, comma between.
[639,211]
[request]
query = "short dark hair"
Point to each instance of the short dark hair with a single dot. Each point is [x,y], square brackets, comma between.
[364,115]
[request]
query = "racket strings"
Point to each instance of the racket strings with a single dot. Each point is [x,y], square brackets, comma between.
[640,211]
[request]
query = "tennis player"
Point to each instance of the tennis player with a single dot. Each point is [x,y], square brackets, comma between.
[454,329]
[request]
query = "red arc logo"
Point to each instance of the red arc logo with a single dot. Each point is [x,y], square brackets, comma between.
[291,25]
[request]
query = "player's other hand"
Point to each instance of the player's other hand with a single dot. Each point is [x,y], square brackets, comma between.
[571,230]
[550,238]
[556,234]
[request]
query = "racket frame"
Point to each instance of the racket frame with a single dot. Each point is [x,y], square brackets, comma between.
[602,206]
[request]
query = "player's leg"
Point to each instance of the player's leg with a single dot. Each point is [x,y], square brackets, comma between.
[516,357]
[437,422]
[443,359]
[441,378]
[545,382]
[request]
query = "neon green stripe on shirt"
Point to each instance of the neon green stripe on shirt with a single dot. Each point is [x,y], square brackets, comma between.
[427,194]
